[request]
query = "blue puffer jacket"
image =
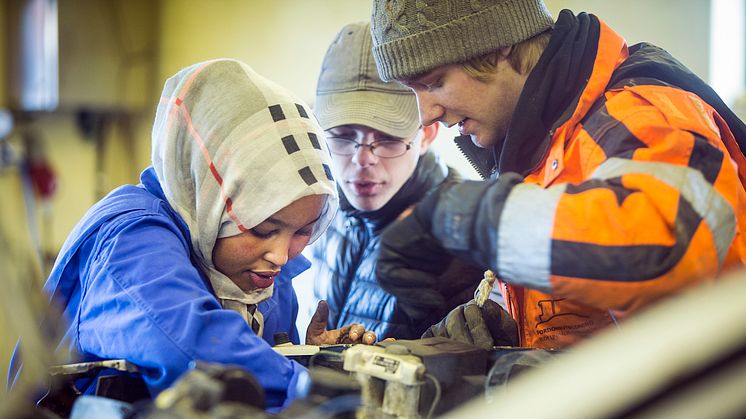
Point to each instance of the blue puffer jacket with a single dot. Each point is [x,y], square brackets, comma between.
[344,262]
[130,290]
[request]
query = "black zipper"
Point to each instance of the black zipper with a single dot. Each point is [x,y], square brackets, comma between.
[482,160]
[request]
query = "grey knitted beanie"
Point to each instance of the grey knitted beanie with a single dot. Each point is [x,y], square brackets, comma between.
[411,37]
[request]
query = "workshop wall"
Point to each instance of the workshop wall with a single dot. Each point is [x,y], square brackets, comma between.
[680,27]
[98,137]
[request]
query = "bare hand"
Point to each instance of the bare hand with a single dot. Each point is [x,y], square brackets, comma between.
[316,334]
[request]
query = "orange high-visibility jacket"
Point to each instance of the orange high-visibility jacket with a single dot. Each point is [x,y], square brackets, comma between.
[640,194]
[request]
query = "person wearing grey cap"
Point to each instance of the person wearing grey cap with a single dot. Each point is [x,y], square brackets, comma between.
[383,164]
[616,175]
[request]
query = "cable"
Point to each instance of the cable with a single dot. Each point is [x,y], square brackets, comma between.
[436,398]
[614,319]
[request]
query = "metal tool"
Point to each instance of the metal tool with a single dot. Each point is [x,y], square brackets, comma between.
[483,291]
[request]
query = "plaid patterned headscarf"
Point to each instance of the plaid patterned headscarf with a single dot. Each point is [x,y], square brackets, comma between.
[230,149]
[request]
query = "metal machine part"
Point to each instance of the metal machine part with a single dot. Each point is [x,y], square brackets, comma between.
[83,368]
[406,378]
[390,379]
[392,363]
[115,378]
[325,392]
[207,385]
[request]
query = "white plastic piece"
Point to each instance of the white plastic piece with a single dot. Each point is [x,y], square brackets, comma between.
[377,362]
[296,350]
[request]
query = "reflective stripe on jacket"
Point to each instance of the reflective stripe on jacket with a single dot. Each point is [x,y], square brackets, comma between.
[636,197]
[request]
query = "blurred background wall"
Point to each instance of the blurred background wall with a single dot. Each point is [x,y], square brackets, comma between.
[114,56]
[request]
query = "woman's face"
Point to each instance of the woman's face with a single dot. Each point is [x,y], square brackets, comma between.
[253,259]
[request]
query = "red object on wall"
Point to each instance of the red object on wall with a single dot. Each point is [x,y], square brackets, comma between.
[43,178]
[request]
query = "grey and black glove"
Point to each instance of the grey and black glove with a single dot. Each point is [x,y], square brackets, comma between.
[485,327]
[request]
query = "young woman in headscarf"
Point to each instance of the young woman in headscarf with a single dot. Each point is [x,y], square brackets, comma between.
[195,263]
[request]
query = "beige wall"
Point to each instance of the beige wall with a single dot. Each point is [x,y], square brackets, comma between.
[680,26]
[284,40]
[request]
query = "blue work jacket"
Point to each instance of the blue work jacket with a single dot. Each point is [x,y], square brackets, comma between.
[130,289]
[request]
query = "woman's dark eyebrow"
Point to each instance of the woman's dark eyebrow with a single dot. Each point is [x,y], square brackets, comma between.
[313,222]
[283,224]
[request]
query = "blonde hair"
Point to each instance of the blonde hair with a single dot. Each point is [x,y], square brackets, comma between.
[523,57]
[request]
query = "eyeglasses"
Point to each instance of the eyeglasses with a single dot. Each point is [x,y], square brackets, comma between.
[381,148]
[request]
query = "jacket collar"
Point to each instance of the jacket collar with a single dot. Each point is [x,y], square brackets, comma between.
[149,181]
[554,86]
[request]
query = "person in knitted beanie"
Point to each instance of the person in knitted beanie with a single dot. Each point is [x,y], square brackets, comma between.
[598,156]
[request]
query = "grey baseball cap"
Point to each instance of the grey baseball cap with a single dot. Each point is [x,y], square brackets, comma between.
[349,90]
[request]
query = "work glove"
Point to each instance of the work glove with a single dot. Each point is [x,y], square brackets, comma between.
[316,334]
[485,326]
[410,261]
